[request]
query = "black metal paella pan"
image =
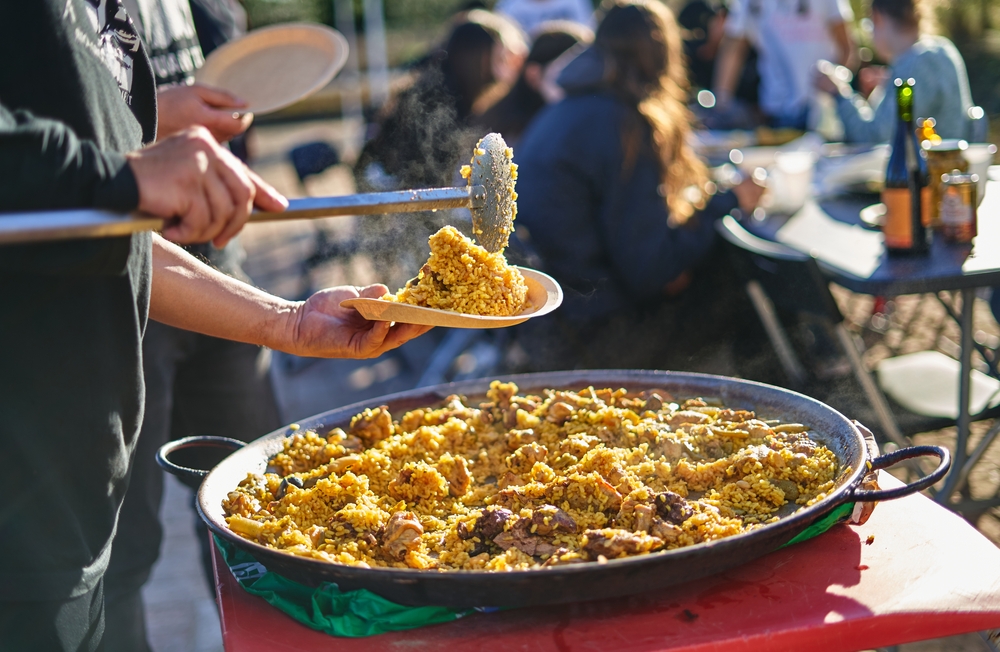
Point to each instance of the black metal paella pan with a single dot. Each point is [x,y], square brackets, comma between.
[566,583]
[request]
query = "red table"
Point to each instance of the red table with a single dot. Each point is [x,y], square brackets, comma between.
[927,574]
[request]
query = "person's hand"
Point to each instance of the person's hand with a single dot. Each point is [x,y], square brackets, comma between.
[748,193]
[833,79]
[192,178]
[180,107]
[321,328]
[870,78]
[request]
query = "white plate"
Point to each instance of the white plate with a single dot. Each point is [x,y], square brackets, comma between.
[544,296]
[274,67]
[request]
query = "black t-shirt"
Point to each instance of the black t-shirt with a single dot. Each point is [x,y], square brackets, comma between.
[76,91]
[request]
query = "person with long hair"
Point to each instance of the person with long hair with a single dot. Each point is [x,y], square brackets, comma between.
[512,113]
[618,207]
[942,89]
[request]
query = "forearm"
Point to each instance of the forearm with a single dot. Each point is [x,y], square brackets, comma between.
[729,65]
[190,295]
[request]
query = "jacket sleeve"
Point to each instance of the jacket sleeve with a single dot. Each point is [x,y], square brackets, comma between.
[865,123]
[44,165]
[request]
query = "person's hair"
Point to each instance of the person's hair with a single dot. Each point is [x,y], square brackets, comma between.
[467,64]
[904,13]
[512,113]
[644,66]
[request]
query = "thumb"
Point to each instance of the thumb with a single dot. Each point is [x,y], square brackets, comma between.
[375,291]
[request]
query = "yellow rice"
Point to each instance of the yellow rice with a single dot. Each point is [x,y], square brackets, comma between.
[572,476]
[463,277]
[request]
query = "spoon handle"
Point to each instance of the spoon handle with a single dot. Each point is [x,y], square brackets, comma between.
[40,226]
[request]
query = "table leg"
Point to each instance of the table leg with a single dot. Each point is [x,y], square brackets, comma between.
[964,394]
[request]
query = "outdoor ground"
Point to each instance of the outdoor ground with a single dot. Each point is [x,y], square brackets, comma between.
[181,612]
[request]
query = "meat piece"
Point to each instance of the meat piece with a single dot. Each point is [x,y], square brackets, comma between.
[682,417]
[667,448]
[372,425]
[654,402]
[693,402]
[559,412]
[521,460]
[614,498]
[401,534]
[666,531]
[613,543]
[549,518]
[734,416]
[456,472]
[643,517]
[671,507]
[346,463]
[490,523]
[520,537]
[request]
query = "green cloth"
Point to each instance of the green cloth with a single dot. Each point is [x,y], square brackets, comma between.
[362,613]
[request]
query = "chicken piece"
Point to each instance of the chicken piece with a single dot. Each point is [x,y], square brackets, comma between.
[459,479]
[372,425]
[549,518]
[614,498]
[734,416]
[501,393]
[612,543]
[643,517]
[666,531]
[671,507]
[521,460]
[401,534]
[559,413]
[682,417]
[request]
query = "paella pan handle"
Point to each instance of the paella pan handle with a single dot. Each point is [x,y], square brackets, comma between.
[895,457]
[191,458]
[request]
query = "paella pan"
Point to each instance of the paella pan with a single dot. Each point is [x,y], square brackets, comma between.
[560,583]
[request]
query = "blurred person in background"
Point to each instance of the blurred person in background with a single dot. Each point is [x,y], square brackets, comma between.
[424,133]
[942,83]
[195,384]
[790,37]
[511,114]
[622,213]
[704,23]
[529,14]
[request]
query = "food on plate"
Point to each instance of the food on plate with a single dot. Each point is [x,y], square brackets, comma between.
[463,277]
[529,481]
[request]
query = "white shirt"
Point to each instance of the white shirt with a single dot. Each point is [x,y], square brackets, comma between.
[790,37]
[529,14]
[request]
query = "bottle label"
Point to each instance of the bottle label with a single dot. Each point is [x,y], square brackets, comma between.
[926,203]
[897,228]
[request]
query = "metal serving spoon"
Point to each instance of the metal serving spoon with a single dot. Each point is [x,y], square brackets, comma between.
[489,195]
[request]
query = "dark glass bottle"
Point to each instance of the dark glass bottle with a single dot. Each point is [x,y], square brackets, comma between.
[905,182]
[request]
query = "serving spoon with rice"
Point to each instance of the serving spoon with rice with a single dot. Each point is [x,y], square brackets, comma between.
[489,195]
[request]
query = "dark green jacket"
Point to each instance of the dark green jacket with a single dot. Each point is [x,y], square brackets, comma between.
[76,92]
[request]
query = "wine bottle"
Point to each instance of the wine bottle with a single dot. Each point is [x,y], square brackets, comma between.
[905,180]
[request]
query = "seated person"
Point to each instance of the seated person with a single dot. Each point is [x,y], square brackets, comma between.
[790,37]
[621,211]
[704,24]
[942,88]
[511,115]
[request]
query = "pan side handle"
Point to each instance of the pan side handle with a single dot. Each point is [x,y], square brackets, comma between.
[191,458]
[890,459]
